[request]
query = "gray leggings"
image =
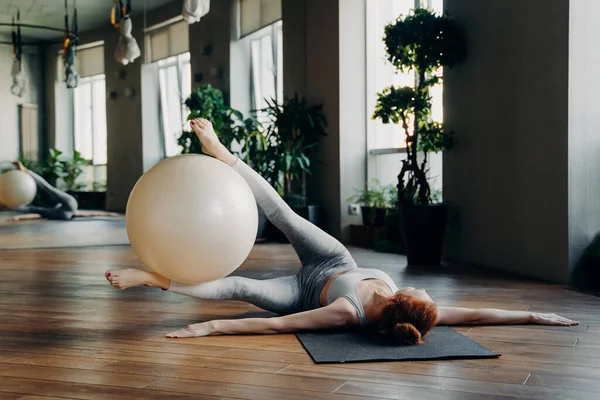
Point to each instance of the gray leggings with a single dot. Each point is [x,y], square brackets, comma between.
[63,204]
[321,256]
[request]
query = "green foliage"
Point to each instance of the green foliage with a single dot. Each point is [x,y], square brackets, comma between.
[208,103]
[280,151]
[67,169]
[57,166]
[98,187]
[293,135]
[259,151]
[35,166]
[422,42]
[376,196]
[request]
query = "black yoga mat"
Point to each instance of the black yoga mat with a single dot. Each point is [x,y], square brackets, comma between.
[442,343]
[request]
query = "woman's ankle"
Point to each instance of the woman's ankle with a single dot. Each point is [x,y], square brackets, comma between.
[160,281]
[224,155]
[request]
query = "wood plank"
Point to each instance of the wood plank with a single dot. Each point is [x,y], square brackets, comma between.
[564,382]
[168,347]
[443,369]
[265,355]
[51,360]
[410,393]
[147,357]
[510,347]
[522,391]
[349,374]
[75,376]
[241,391]
[531,367]
[322,383]
[89,392]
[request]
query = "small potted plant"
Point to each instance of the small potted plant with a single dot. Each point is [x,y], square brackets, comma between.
[374,203]
[425,43]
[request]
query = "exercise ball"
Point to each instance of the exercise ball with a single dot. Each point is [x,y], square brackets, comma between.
[191,218]
[17,189]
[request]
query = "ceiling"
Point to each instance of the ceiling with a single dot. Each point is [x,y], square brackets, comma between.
[90,14]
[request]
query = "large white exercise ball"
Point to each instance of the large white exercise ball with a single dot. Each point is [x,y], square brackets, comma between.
[17,189]
[192,218]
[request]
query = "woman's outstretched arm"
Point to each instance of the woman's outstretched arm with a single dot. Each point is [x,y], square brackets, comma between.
[492,316]
[338,314]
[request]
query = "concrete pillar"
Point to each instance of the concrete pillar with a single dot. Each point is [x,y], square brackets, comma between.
[525,170]
[324,59]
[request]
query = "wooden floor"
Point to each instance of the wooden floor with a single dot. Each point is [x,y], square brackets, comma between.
[65,333]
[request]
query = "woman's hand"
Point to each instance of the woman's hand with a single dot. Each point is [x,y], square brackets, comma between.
[194,330]
[551,319]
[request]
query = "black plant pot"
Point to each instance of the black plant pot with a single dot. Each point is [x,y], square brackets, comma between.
[90,200]
[263,226]
[424,228]
[393,231]
[373,216]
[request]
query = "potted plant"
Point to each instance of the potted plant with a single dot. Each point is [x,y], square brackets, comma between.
[422,42]
[69,170]
[59,170]
[374,203]
[294,131]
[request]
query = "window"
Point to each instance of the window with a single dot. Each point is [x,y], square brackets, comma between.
[90,119]
[383,74]
[386,141]
[175,81]
[266,66]
[167,50]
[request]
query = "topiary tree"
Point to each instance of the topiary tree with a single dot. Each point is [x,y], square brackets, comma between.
[422,42]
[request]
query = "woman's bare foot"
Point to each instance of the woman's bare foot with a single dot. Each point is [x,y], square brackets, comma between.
[210,142]
[132,277]
[19,165]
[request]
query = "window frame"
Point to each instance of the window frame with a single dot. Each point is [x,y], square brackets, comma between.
[180,61]
[87,80]
[371,26]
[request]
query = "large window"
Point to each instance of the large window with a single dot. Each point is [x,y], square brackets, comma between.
[175,80]
[383,74]
[89,128]
[168,57]
[257,56]
[90,119]
[386,141]
[266,66]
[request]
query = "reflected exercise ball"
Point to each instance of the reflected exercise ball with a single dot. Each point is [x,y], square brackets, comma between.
[192,219]
[17,189]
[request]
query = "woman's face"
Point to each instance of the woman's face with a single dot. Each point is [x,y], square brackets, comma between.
[419,294]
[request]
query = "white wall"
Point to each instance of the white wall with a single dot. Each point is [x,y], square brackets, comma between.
[9,103]
[352,99]
[584,126]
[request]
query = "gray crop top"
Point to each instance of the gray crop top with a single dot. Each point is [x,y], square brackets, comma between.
[346,286]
